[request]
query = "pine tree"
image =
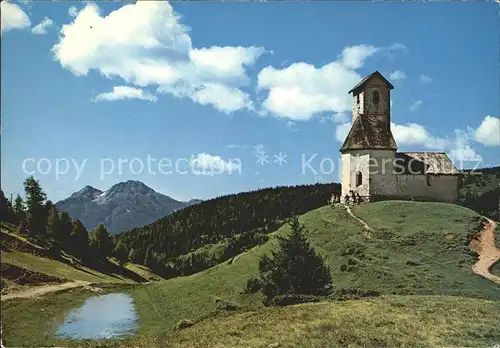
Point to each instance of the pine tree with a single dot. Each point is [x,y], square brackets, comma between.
[101,241]
[78,242]
[65,230]
[35,199]
[120,253]
[19,210]
[295,268]
[54,226]
[6,212]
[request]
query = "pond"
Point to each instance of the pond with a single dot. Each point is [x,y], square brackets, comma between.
[105,316]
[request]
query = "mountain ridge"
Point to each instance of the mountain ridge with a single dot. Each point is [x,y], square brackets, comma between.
[122,207]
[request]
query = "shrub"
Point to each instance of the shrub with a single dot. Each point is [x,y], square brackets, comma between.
[225,305]
[183,323]
[295,268]
[253,285]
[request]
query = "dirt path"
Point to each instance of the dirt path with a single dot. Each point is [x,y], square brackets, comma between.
[365,225]
[36,291]
[488,252]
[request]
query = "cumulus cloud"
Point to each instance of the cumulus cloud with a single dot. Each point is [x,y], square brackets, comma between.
[73,11]
[353,56]
[125,92]
[206,164]
[146,44]
[41,28]
[417,135]
[397,75]
[414,106]
[13,17]
[301,90]
[226,99]
[488,132]
[425,78]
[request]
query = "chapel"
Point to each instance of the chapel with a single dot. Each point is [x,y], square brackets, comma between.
[371,165]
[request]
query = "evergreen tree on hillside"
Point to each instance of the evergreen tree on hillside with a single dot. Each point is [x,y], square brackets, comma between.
[19,210]
[35,204]
[295,268]
[101,241]
[79,240]
[54,226]
[6,212]
[120,253]
[66,228]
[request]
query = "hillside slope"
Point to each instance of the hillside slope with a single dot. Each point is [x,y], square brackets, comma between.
[425,252]
[25,263]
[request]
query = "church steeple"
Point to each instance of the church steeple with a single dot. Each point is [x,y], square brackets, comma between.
[371,115]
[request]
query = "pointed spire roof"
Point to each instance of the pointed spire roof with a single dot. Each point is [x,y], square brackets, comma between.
[368,134]
[369,77]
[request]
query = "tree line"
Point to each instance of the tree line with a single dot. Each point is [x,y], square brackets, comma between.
[241,220]
[38,219]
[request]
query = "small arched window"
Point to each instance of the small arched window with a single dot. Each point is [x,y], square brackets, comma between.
[357,99]
[359,179]
[375,97]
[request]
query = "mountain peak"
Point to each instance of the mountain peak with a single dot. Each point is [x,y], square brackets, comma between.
[87,192]
[129,187]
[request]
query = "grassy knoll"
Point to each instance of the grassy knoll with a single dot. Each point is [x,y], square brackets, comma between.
[19,252]
[415,261]
[420,249]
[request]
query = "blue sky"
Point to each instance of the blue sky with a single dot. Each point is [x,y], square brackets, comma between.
[211,85]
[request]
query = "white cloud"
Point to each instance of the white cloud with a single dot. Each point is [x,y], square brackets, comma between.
[414,106]
[41,28]
[13,17]
[225,99]
[341,117]
[488,132]
[417,135]
[397,75]
[206,164]
[461,150]
[73,11]
[145,44]
[301,90]
[425,78]
[352,57]
[126,92]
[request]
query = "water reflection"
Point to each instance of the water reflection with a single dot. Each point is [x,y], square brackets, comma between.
[104,316]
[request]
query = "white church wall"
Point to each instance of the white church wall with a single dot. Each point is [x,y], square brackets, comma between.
[442,187]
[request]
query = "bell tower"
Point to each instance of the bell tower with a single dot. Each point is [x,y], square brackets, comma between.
[369,143]
[372,99]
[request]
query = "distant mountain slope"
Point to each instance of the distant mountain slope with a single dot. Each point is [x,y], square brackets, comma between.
[124,206]
[480,190]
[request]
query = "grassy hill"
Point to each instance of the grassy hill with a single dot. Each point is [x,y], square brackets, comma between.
[26,263]
[416,248]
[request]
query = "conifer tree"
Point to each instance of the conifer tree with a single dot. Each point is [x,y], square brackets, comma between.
[54,226]
[35,199]
[19,210]
[295,268]
[79,240]
[101,241]
[6,212]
